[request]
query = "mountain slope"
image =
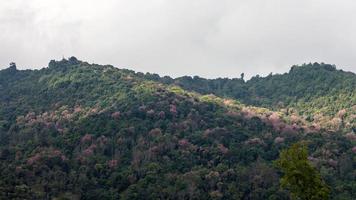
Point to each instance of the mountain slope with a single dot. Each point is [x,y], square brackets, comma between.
[309,89]
[83,131]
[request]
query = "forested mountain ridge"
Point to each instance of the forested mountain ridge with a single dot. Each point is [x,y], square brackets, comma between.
[309,88]
[83,131]
[317,92]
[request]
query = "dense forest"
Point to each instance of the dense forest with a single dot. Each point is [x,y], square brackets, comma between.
[75,130]
[308,89]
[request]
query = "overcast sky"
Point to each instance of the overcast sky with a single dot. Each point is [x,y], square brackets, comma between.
[210,38]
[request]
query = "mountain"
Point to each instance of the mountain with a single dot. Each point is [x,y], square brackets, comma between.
[76,130]
[308,89]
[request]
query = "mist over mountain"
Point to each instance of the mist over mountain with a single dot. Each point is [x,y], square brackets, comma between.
[75,130]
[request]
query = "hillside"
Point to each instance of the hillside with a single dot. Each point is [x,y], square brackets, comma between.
[309,90]
[76,130]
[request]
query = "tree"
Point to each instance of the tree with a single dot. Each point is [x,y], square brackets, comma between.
[12,64]
[299,176]
[242,76]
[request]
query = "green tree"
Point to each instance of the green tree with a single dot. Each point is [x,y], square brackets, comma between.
[299,176]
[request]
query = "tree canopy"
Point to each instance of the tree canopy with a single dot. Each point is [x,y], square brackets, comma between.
[76,130]
[299,176]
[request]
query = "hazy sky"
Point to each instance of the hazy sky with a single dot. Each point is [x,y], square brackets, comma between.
[210,38]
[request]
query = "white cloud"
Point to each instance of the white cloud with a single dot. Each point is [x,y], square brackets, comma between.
[180,37]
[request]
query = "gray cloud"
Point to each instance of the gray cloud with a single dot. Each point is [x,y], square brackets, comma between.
[181,37]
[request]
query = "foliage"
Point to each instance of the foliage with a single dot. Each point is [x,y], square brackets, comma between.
[307,90]
[299,176]
[76,130]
